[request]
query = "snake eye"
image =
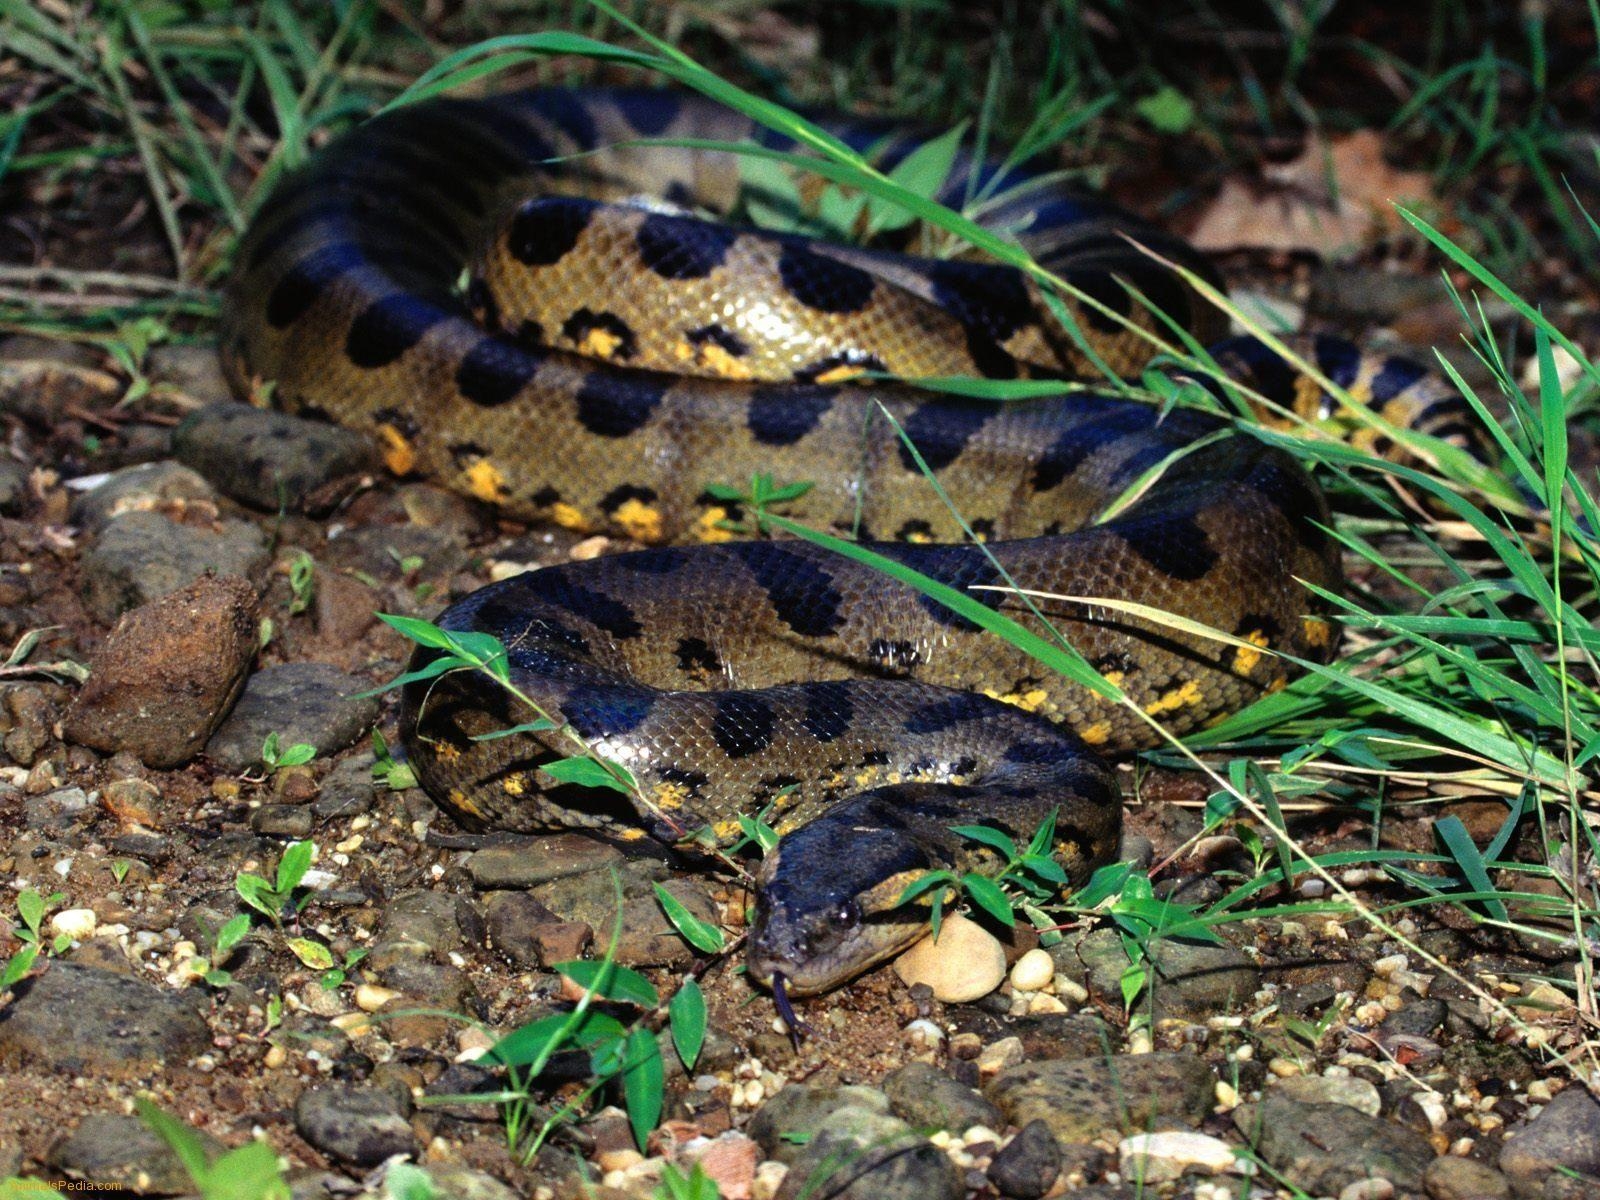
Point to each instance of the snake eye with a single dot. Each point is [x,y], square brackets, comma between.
[846,915]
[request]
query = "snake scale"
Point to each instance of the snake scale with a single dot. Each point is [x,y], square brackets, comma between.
[478,284]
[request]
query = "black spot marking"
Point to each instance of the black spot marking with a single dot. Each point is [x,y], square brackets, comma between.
[989,357]
[566,110]
[913,529]
[1291,492]
[664,561]
[716,335]
[941,429]
[650,112]
[599,711]
[495,371]
[802,593]
[464,454]
[830,709]
[387,328]
[1081,440]
[302,283]
[697,658]
[546,497]
[1033,752]
[990,301]
[529,334]
[1118,661]
[577,328]
[948,712]
[1104,287]
[824,284]
[983,529]
[1170,542]
[894,657]
[403,422]
[618,496]
[683,247]
[781,416]
[851,360]
[616,403]
[1394,377]
[544,230]
[1338,359]
[959,567]
[485,309]
[691,781]
[742,724]
[558,588]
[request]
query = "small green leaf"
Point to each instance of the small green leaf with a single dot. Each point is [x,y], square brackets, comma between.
[294,864]
[585,772]
[989,836]
[687,1016]
[933,879]
[250,1172]
[643,1083]
[18,966]
[541,725]
[986,894]
[423,633]
[1167,110]
[297,755]
[403,1181]
[606,979]
[30,907]
[184,1142]
[313,953]
[702,936]
[229,935]
[257,893]
[1458,843]
[536,1041]
[758,831]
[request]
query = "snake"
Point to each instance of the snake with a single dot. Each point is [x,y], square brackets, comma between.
[556,302]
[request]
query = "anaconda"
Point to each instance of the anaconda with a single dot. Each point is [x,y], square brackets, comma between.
[457,278]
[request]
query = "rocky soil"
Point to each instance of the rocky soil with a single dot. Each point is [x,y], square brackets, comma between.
[165,547]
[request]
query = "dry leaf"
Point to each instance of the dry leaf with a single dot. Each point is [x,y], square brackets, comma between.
[1332,200]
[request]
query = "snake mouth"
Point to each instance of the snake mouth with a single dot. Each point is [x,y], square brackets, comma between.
[780,1001]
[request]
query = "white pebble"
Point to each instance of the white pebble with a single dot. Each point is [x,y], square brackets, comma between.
[75,923]
[1388,965]
[370,997]
[1368,1189]
[1160,1157]
[1070,990]
[1044,1004]
[1034,971]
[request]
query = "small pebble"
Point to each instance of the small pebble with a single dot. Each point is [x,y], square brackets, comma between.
[997,1056]
[1368,1189]
[75,923]
[1034,971]
[370,997]
[1159,1157]
[965,963]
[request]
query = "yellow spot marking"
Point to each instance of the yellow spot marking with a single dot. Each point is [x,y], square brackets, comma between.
[460,801]
[709,527]
[869,777]
[727,830]
[640,521]
[1029,701]
[1115,678]
[599,343]
[717,359]
[485,481]
[1180,697]
[1246,659]
[631,835]
[1097,734]
[919,537]
[568,517]
[1318,632]
[514,785]
[841,373]
[670,795]
[1277,685]
[1307,401]
[446,752]
[399,455]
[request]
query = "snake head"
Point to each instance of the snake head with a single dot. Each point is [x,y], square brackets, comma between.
[827,899]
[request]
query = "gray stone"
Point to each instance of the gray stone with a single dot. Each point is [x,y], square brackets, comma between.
[1080,1099]
[798,1111]
[142,556]
[168,486]
[13,486]
[425,918]
[1564,1133]
[1189,979]
[195,371]
[300,702]
[282,820]
[79,1020]
[358,1126]
[462,1183]
[926,1098]
[1348,1090]
[267,459]
[1027,1167]
[1419,1017]
[107,1149]
[647,938]
[27,717]
[348,790]
[862,1154]
[166,676]
[526,864]
[1452,1178]
[1349,1146]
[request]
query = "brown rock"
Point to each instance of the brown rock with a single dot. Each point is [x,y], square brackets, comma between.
[168,673]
